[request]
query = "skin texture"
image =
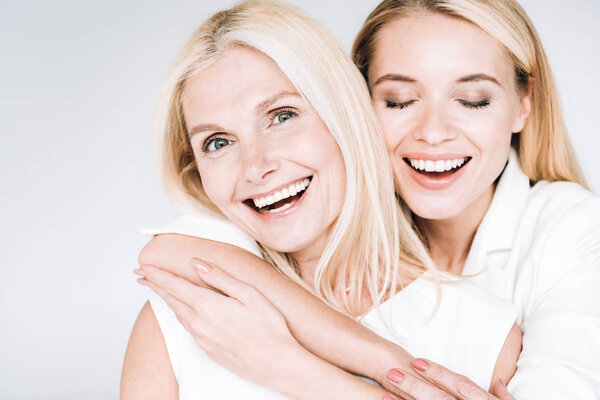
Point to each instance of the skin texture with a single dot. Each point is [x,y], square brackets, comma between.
[147,360]
[268,137]
[450,92]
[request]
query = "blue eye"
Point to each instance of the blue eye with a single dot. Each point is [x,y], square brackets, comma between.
[393,104]
[214,144]
[282,116]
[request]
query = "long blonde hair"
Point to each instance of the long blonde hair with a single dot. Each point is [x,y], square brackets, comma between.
[544,148]
[372,248]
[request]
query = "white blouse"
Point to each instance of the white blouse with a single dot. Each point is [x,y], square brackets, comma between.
[464,331]
[539,247]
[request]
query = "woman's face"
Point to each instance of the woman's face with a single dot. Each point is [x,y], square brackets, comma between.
[446,96]
[265,157]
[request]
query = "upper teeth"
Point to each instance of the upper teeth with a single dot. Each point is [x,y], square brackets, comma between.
[279,195]
[438,165]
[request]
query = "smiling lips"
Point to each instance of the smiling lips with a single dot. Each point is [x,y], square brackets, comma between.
[436,174]
[279,200]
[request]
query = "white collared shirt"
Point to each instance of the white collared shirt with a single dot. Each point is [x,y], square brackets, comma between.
[539,247]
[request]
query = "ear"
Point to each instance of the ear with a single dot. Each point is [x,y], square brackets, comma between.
[524,109]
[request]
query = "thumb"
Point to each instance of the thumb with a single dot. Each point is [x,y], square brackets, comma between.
[500,391]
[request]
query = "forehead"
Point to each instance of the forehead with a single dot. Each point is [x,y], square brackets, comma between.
[429,43]
[240,76]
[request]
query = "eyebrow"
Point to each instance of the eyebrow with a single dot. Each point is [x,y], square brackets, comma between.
[394,77]
[259,109]
[464,79]
[204,127]
[477,78]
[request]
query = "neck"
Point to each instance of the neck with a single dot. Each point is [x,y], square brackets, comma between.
[308,258]
[450,240]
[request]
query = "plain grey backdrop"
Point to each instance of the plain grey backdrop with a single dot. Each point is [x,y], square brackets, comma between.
[78,84]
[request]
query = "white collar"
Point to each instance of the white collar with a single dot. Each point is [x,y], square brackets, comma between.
[499,226]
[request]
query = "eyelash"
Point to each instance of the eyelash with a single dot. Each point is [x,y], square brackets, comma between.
[280,111]
[209,141]
[392,104]
[272,115]
[475,104]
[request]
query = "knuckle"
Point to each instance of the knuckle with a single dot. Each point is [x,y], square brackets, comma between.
[469,390]
[248,292]
[410,385]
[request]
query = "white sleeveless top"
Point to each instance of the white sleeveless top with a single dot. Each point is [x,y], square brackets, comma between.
[465,331]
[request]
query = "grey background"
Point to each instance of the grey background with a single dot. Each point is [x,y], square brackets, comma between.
[78,84]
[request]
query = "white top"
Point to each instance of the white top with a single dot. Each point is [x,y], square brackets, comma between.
[465,333]
[539,247]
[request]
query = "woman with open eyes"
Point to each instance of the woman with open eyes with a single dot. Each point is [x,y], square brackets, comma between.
[267,123]
[470,118]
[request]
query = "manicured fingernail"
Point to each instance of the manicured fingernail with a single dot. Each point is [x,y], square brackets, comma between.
[142,281]
[200,265]
[395,376]
[420,364]
[138,271]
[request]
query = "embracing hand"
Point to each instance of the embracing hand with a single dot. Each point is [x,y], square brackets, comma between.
[238,328]
[454,386]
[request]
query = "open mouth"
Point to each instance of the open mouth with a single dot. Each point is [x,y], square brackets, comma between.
[437,169]
[279,200]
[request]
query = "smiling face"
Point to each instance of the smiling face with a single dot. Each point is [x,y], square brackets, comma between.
[265,157]
[446,96]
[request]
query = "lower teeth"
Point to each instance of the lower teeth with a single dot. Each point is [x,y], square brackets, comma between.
[283,207]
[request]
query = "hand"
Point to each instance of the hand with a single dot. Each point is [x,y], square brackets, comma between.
[240,329]
[454,386]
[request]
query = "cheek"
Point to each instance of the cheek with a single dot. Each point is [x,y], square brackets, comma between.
[216,183]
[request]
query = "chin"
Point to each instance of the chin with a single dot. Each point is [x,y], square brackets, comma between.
[434,212]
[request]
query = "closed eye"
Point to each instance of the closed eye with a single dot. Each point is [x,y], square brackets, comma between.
[393,104]
[475,104]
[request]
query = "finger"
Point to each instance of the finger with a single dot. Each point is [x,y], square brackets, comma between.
[459,385]
[500,391]
[416,388]
[181,288]
[217,278]
[184,313]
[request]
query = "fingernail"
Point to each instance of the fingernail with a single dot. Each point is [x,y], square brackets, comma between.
[420,364]
[395,376]
[142,281]
[200,265]
[138,271]
[389,398]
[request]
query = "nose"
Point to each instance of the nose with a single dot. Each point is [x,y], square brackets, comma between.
[259,161]
[434,127]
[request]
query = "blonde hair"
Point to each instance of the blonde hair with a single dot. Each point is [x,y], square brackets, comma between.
[373,247]
[544,148]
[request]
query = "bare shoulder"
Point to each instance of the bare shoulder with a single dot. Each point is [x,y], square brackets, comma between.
[147,372]
[506,364]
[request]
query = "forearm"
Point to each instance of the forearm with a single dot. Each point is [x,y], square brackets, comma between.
[346,343]
[308,377]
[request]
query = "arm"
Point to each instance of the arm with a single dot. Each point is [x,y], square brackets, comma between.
[561,325]
[369,354]
[247,335]
[147,372]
